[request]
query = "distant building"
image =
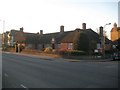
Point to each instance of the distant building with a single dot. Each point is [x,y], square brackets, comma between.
[115,32]
[15,36]
[84,40]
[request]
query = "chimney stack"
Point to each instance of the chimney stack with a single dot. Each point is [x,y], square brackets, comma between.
[41,32]
[84,26]
[21,29]
[101,31]
[101,37]
[37,32]
[61,28]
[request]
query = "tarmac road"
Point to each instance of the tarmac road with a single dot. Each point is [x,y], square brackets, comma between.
[20,71]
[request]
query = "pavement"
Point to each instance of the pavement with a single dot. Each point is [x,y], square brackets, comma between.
[62,59]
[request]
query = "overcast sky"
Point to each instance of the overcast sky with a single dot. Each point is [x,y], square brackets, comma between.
[49,15]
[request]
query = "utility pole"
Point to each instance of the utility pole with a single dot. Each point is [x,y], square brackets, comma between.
[3,33]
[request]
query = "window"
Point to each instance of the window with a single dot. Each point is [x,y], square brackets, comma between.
[58,45]
[70,45]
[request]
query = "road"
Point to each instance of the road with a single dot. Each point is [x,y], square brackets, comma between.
[21,71]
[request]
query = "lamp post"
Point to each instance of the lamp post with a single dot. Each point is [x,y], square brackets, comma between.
[3,32]
[104,38]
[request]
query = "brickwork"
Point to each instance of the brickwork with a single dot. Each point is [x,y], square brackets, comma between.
[115,32]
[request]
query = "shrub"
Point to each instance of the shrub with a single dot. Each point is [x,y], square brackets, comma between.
[48,50]
[72,53]
[42,49]
[108,52]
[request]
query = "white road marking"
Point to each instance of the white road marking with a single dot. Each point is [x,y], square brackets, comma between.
[6,75]
[23,86]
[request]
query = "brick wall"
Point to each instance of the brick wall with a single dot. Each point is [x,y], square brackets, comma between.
[114,35]
[63,46]
[66,46]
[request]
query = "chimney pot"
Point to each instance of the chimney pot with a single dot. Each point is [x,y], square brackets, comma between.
[84,26]
[61,28]
[101,31]
[41,32]
[21,29]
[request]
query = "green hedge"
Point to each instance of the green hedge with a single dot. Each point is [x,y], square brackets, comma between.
[108,51]
[73,53]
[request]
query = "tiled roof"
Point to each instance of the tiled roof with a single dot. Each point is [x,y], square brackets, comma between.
[67,36]
[118,28]
[12,32]
[31,38]
[47,38]
[89,33]
[116,41]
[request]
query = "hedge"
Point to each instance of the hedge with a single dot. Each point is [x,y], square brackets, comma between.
[73,53]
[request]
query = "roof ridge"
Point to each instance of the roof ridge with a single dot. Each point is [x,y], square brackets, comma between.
[58,32]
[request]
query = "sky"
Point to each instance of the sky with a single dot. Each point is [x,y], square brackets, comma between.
[49,15]
[119,14]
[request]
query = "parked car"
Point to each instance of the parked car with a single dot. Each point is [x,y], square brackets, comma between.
[116,56]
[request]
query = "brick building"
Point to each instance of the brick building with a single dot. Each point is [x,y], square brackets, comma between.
[14,36]
[115,32]
[78,39]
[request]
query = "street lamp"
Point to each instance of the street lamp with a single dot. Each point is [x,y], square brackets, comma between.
[104,38]
[107,24]
[3,32]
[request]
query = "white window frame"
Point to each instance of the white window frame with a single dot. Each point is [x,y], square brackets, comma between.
[70,45]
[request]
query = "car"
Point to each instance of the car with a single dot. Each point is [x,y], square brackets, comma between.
[116,56]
